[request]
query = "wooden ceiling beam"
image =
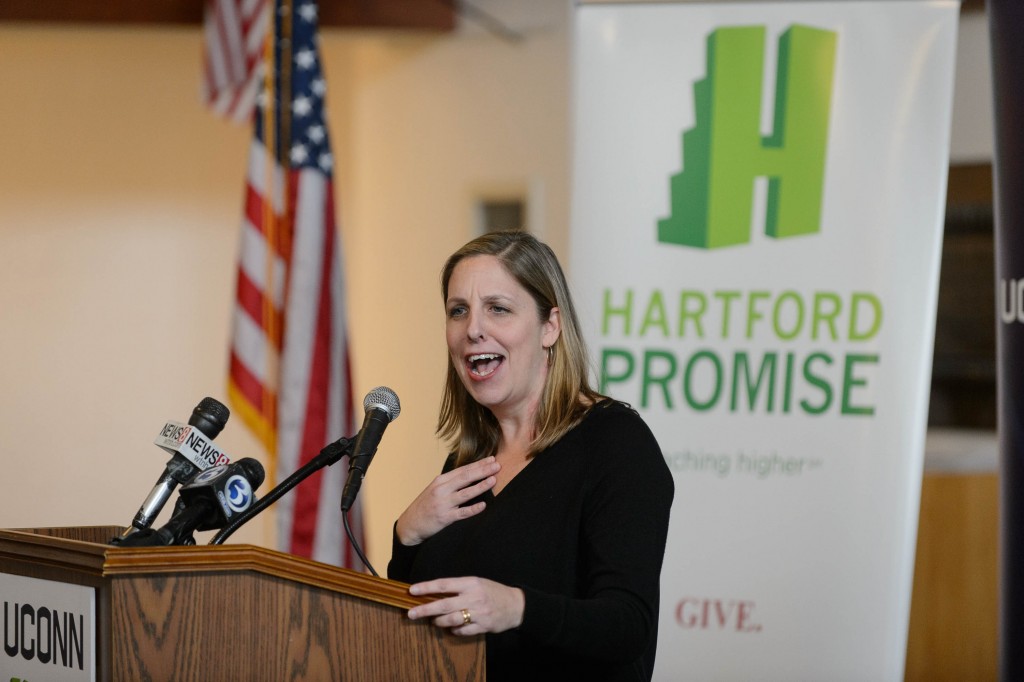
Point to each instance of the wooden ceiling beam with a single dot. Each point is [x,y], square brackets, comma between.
[433,15]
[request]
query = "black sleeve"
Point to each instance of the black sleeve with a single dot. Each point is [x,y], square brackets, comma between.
[402,558]
[624,530]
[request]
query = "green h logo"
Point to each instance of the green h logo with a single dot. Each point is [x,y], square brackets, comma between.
[712,199]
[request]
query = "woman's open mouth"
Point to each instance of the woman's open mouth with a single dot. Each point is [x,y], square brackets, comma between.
[484,364]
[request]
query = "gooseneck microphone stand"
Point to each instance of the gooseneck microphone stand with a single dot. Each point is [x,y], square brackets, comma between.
[331,453]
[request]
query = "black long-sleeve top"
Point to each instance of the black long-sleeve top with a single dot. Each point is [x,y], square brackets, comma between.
[581,529]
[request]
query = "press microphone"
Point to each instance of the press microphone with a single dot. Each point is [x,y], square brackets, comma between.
[209,501]
[193,449]
[382,407]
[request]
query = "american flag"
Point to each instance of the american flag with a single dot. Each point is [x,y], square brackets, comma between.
[289,376]
[234,34]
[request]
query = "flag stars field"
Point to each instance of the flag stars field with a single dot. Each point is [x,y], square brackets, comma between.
[302,106]
[305,59]
[299,154]
[326,162]
[308,11]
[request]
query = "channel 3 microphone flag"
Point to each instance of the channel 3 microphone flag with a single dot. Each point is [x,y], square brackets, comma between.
[289,376]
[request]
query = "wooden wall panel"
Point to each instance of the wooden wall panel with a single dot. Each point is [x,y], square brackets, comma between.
[435,15]
[954,609]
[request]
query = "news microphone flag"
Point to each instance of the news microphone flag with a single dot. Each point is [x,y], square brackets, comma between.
[289,376]
[192,444]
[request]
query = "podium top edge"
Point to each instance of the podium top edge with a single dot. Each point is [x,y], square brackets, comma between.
[86,549]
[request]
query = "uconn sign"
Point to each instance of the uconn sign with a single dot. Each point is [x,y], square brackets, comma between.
[48,630]
[1010,295]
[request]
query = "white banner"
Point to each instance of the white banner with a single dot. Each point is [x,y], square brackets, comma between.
[757,220]
[49,630]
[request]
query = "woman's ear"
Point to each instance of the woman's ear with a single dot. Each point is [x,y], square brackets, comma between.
[552,328]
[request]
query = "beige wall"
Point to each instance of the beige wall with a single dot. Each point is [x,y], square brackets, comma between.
[119,209]
[120,199]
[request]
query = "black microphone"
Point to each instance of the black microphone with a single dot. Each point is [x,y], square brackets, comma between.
[382,407]
[209,501]
[209,418]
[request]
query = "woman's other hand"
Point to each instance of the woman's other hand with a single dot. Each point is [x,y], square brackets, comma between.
[471,605]
[438,506]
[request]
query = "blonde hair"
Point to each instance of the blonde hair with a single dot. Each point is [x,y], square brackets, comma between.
[471,430]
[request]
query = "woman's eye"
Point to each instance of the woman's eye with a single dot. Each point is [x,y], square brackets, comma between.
[456,311]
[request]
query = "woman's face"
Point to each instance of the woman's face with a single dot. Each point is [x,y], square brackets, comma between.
[496,340]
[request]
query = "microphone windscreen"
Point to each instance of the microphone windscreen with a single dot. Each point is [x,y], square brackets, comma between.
[210,416]
[384,398]
[254,471]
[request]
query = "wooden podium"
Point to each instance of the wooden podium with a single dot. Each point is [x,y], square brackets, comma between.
[236,613]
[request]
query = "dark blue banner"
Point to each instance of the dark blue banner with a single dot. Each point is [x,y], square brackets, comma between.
[1006,26]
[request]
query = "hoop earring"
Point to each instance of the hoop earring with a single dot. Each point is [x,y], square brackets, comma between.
[551,354]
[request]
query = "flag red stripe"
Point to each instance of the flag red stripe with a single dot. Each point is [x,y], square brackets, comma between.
[249,19]
[237,95]
[251,387]
[254,207]
[231,42]
[233,61]
[254,303]
[349,557]
[314,432]
[250,298]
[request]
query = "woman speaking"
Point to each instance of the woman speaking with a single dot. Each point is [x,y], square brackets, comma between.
[546,529]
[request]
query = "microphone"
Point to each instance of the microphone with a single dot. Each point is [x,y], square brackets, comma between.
[191,455]
[382,407]
[209,501]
